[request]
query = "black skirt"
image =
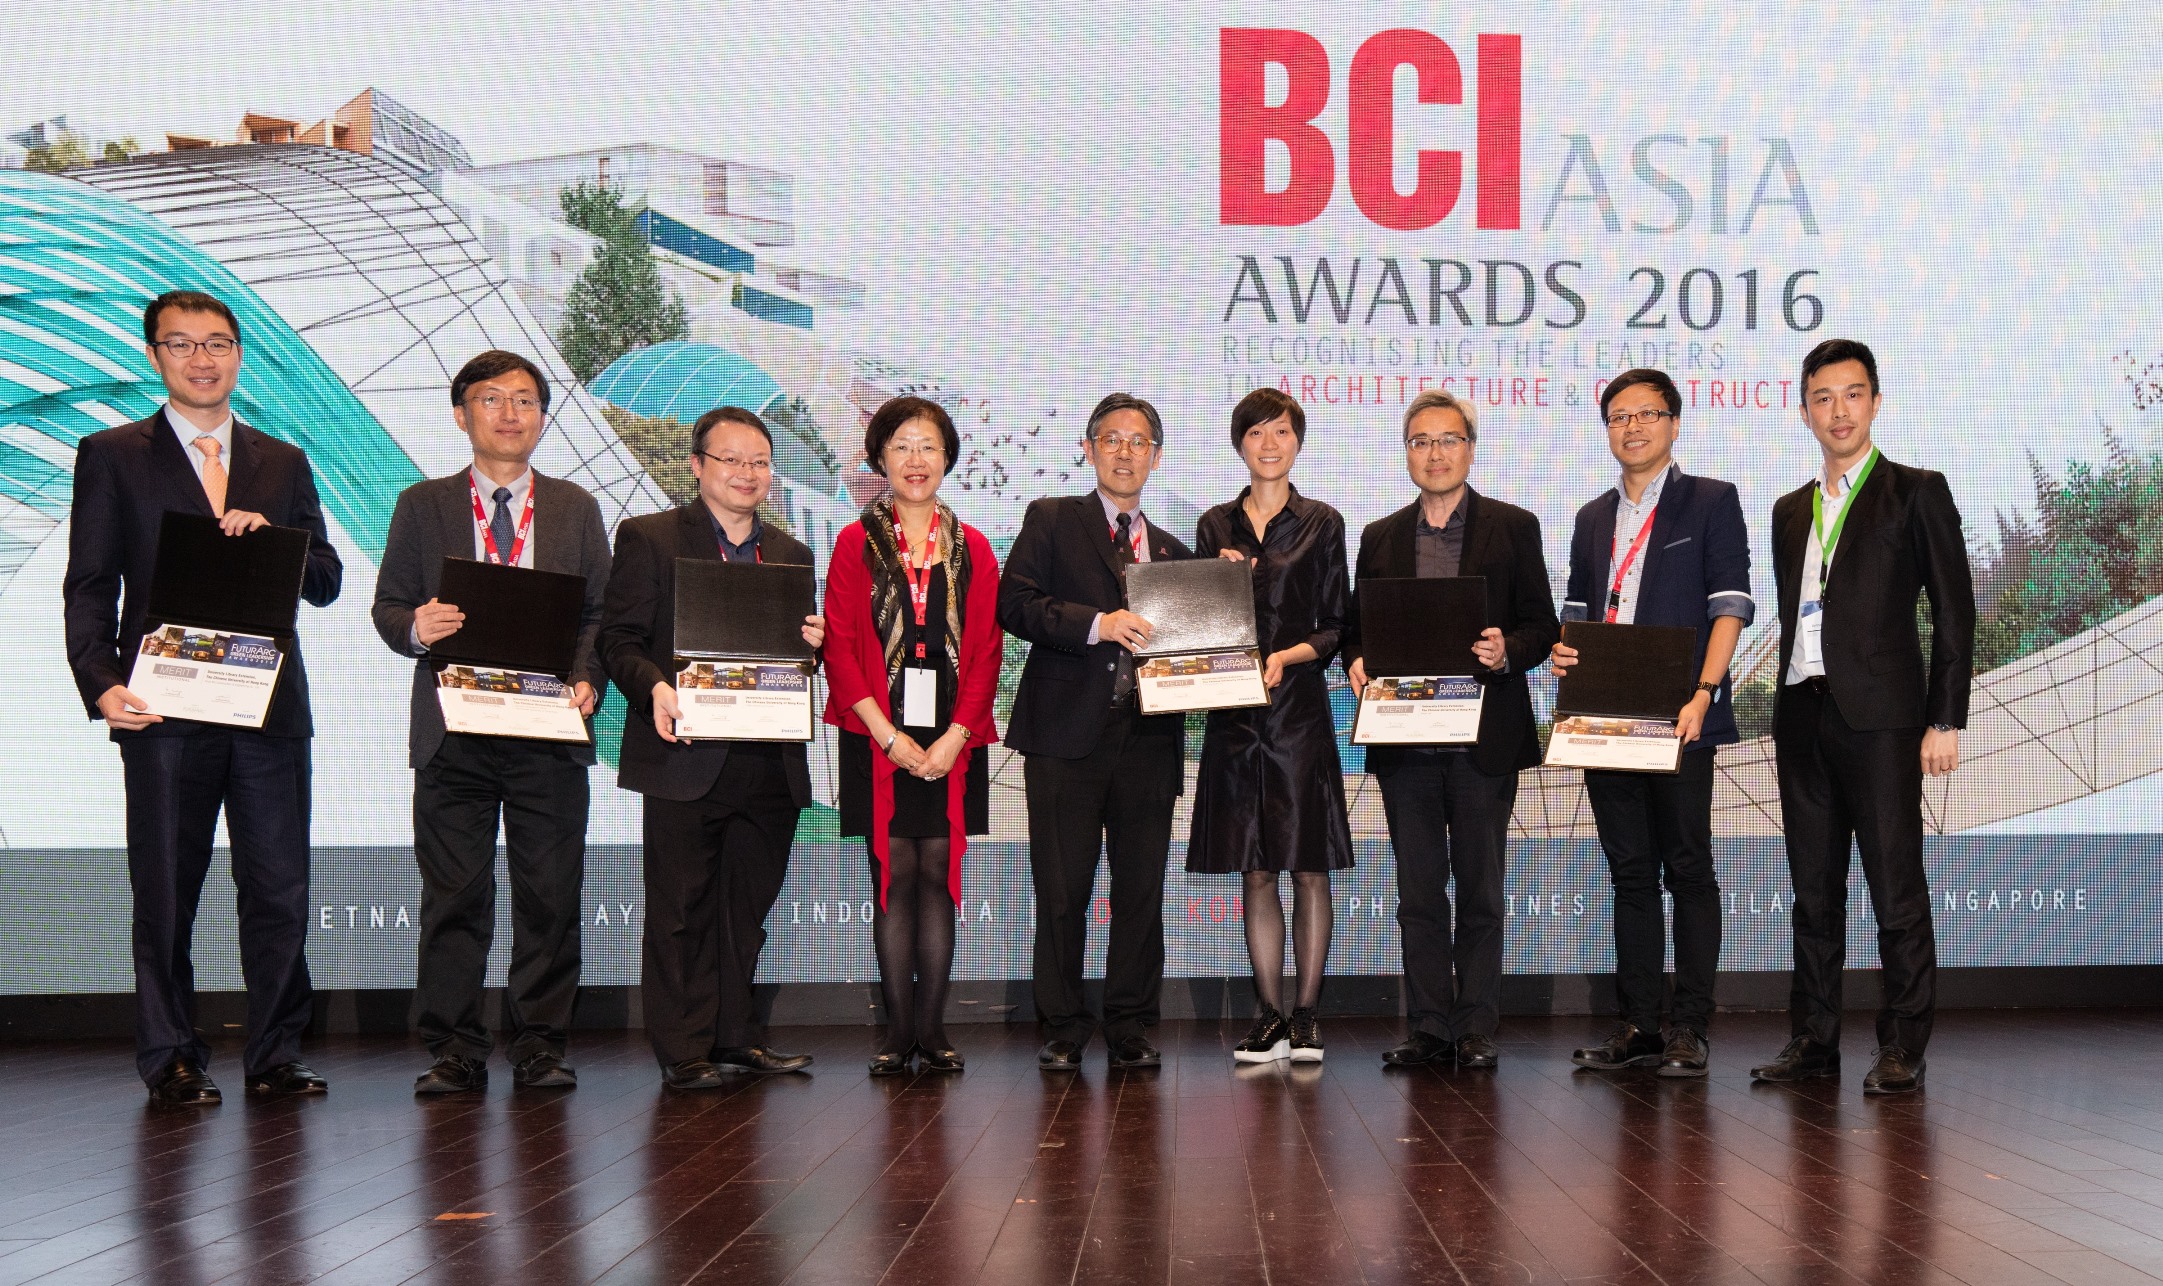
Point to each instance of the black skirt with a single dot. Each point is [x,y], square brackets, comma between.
[919,805]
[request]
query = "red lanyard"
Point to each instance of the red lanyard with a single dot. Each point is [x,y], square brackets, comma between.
[1614,596]
[757,555]
[488,534]
[919,576]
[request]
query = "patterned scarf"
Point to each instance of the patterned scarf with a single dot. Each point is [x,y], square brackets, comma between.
[890,610]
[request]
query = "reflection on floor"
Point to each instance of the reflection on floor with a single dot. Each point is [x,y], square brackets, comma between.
[2035,1155]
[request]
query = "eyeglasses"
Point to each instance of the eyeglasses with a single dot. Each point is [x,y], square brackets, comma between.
[1649,419]
[1117,444]
[1450,442]
[494,402]
[915,450]
[734,465]
[185,348]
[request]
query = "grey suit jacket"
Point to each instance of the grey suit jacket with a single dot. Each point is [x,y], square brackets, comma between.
[435,518]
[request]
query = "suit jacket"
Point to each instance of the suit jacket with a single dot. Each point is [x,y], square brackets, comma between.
[1697,557]
[1902,537]
[1061,572]
[435,518]
[638,649]
[1501,543]
[126,480]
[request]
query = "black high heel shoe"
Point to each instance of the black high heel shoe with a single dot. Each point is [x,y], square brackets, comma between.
[940,1060]
[889,1064]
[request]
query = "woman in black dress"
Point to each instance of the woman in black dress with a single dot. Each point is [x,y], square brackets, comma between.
[1270,795]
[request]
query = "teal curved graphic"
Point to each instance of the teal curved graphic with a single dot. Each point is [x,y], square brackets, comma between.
[682,380]
[76,267]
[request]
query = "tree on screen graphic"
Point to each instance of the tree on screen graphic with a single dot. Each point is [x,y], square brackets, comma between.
[619,302]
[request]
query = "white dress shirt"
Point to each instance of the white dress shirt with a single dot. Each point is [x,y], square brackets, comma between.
[1138,532]
[1814,561]
[188,433]
[1630,519]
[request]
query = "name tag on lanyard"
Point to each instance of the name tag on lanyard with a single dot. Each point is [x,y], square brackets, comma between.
[1810,634]
[919,682]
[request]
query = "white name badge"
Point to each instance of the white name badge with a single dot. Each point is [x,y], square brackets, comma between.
[1627,745]
[919,697]
[1810,635]
[508,703]
[205,675]
[743,701]
[1420,710]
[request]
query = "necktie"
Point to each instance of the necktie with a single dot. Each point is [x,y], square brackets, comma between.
[213,473]
[499,526]
[1123,541]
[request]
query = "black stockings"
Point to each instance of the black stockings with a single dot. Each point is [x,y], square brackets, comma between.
[1312,913]
[914,938]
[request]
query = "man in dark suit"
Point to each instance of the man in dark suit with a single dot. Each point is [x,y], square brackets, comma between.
[1662,548]
[720,816]
[1100,776]
[1860,718]
[501,510]
[1448,808]
[193,456]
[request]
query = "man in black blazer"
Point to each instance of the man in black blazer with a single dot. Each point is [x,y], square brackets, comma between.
[1099,775]
[193,456]
[1448,808]
[1860,717]
[720,816]
[502,510]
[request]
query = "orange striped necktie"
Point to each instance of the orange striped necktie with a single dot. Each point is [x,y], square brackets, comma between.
[213,473]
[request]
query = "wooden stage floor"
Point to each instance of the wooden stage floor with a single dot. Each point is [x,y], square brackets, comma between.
[2035,1155]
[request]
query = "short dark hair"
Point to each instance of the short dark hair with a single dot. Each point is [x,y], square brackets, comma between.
[727,415]
[1127,402]
[1835,351]
[888,419]
[1658,380]
[1263,405]
[186,301]
[491,364]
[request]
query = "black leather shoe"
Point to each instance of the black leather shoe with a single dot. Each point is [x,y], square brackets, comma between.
[760,1060]
[1306,1036]
[693,1074]
[543,1071]
[452,1074]
[889,1064]
[1417,1048]
[1059,1056]
[939,1060]
[1687,1053]
[1135,1051]
[1895,1071]
[1477,1051]
[1629,1045]
[1801,1059]
[184,1084]
[287,1079]
[1268,1041]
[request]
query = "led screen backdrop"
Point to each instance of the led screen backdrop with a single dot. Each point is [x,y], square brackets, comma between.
[1015,211]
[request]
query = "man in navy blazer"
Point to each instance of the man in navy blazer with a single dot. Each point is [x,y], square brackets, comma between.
[1661,548]
[193,456]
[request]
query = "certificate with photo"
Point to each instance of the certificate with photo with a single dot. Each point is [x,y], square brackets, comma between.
[1202,652]
[508,703]
[1616,707]
[506,672]
[224,608]
[743,669]
[206,675]
[1417,636]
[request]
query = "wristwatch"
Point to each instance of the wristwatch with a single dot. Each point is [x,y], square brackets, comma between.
[1943,727]
[1713,688]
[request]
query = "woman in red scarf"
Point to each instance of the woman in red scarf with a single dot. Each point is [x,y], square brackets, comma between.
[912,661]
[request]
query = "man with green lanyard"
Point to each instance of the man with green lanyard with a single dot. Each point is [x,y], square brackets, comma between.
[1861,717]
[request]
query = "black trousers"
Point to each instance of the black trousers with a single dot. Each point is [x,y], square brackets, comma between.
[1653,826]
[539,793]
[1448,819]
[1116,800]
[713,869]
[176,786]
[1840,787]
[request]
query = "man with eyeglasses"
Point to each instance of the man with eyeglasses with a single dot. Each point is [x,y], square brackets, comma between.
[720,816]
[1100,776]
[1663,547]
[193,455]
[1448,808]
[501,510]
